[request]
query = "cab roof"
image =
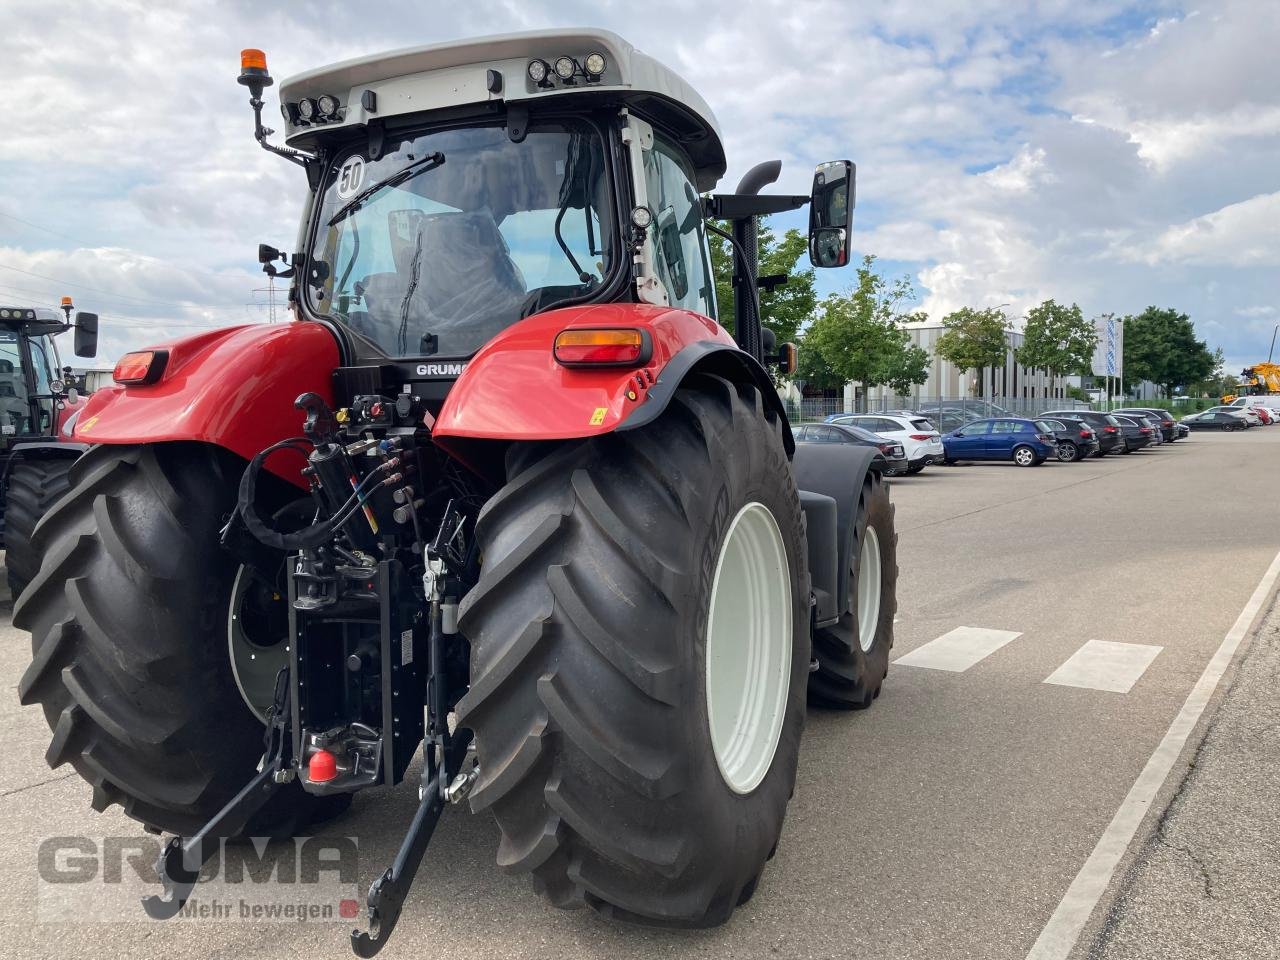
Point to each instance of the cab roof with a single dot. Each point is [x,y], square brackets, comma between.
[459,74]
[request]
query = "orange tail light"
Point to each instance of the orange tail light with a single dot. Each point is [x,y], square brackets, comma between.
[602,348]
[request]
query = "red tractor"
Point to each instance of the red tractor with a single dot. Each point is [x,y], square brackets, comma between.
[38,408]
[506,491]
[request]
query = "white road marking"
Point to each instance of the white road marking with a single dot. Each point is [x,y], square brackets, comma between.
[958,650]
[1062,931]
[1104,665]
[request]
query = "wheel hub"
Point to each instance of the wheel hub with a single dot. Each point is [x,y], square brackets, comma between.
[257,627]
[749,644]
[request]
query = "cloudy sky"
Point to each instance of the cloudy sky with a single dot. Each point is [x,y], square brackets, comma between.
[1116,155]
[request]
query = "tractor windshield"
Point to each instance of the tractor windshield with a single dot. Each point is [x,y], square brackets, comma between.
[428,255]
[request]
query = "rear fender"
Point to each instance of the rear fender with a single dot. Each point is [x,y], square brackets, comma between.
[514,389]
[233,388]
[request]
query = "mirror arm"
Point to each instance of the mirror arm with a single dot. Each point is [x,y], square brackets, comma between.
[740,206]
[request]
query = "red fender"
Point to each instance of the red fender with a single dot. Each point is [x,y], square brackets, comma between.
[232,387]
[514,389]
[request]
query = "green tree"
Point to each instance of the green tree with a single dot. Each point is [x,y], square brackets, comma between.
[786,308]
[974,339]
[1058,339]
[1160,345]
[859,334]
[814,370]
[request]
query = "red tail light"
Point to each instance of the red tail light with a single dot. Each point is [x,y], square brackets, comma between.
[886,448]
[602,348]
[1085,434]
[140,368]
[1144,429]
[1166,423]
[1108,429]
[921,436]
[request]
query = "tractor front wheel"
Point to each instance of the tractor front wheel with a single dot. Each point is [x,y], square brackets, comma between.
[853,655]
[640,651]
[128,619]
[34,486]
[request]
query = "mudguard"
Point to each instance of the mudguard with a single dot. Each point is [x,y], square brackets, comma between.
[232,387]
[514,389]
[836,470]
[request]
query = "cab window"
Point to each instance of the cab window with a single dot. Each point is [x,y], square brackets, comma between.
[680,254]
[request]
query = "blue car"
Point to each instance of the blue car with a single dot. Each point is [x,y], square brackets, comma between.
[1001,438]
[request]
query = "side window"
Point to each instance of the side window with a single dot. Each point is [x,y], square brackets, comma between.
[975,430]
[1006,426]
[800,433]
[680,245]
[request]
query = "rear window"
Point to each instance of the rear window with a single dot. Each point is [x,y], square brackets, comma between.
[1111,420]
[922,424]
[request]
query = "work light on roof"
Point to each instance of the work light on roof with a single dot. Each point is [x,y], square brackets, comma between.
[328,107]
[594,65]
[566,68]
[307,109]
[538,70]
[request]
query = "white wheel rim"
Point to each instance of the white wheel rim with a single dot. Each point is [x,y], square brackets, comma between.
[1024,456]
[869,573]
[253,666]
[749,641]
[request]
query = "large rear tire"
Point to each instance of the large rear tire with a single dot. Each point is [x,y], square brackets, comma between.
[602,664]
[853,655]
[128,616]
[34,486]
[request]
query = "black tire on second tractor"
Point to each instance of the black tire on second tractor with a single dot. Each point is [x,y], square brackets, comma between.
[34,486]
[128,618]
[849,675]
[589,638]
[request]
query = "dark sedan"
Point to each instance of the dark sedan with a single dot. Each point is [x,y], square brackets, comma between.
[895,457]
[1214,420]
[1162,418]
[1076,439]
[1104,425]
[1137,432]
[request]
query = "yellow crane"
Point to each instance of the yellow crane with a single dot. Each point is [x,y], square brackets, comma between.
[1261,378]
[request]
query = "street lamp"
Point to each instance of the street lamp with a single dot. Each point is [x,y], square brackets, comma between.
[1273,342]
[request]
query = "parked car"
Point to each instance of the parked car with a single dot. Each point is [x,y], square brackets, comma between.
[1217,419]
[895,458]
[1076,439]
[1183,430]
[1001,438]
[1163,419]
[1264,413]
[1103,424]
[917,435]
[1250,416]
[1136,432]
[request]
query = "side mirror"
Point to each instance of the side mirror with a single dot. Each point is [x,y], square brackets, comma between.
[86,338]
[831,213]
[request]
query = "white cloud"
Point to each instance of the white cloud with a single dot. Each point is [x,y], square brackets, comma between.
[1239,235]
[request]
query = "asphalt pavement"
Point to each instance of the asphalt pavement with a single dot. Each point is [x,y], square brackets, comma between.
[1053,622]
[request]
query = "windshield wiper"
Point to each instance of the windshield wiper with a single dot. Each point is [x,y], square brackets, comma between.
[429,162]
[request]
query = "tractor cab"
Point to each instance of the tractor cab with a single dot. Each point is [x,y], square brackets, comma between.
[35,390]
[457,189]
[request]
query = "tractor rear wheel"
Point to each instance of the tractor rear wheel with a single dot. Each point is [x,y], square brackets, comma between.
[853,655]
[639,657]
[34,486]
[128,620]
